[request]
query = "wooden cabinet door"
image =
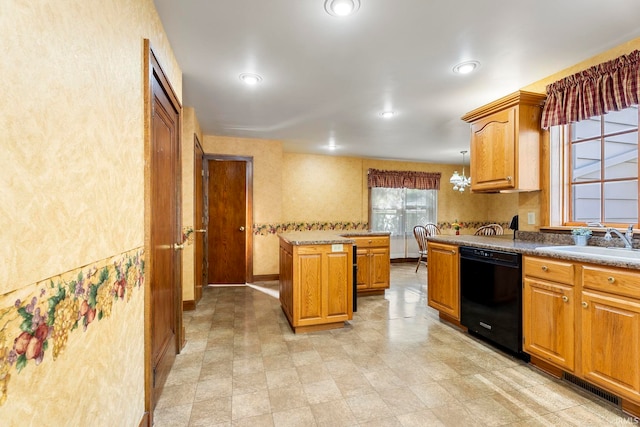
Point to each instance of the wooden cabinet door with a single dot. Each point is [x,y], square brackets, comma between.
[611,342]
[443,283]
[307,304]
[380,268]
[548,313]
[337,294]
[362,260]
[493,151]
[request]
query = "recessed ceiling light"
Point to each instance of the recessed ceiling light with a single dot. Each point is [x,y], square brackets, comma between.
[466,67]
[341,7]
[250,78]
[387,114]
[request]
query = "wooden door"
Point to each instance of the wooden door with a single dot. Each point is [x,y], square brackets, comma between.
[165,231]
[443,284]
[610,344]
[548,313]
[229,225]
[200,224]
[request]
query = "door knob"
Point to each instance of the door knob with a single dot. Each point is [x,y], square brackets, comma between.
[201,230]
[241,228]
[177,246]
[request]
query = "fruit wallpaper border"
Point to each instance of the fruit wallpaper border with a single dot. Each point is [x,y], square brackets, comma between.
[285,227]
[35,322]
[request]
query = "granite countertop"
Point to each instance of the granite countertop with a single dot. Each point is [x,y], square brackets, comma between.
[329,237]
[528,247]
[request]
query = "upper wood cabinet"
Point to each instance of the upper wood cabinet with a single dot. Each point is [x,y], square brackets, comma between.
[505,143]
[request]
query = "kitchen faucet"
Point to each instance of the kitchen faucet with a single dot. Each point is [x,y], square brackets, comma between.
[627,238]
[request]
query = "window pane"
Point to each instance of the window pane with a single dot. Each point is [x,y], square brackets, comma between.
[398,210]
[618,121]
[621,201]
[586,161]
[588,128]
[621,157]
[586,202]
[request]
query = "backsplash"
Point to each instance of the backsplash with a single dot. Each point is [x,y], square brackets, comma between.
[567,239]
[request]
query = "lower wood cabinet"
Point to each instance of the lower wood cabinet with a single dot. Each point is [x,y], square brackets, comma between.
[316,285]
[548,321]
[443,279]
[587,323]
[610,333]
[374,264]
[548,311]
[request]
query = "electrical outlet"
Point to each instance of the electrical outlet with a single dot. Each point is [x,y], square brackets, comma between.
[531,218]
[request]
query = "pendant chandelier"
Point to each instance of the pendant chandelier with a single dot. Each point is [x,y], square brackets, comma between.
[460,182]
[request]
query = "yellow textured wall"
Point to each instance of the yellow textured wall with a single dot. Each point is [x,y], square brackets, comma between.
[267,189]
[322,188]
[72,178]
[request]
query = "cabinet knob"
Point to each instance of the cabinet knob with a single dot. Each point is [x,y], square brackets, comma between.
[611,279]
[565,298]
[585,304]
[509,178]
[545,268]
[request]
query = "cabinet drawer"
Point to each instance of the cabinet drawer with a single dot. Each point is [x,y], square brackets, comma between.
[548,269]
[611,280]
[370,242]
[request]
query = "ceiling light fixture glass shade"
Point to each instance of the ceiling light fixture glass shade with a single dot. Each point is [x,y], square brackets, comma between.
[341,7]
[250,78]
[466,67]
[460,182]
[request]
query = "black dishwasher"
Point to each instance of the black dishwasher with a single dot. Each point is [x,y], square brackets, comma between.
[491,296]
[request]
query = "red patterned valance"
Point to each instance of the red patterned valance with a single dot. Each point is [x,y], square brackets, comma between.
[610,86]
[404,179]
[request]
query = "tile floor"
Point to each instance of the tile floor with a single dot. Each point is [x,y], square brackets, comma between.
[395,364]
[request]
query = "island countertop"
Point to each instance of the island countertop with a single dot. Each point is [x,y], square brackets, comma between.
[327,237]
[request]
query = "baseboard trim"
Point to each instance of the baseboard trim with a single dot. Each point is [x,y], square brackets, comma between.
[266,277]
[189,305]
[145,421]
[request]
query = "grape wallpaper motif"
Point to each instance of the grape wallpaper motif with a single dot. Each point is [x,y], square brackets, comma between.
[266,229]
[35,322]
[286,227]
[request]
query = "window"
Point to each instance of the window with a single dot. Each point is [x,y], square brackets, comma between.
[602,154]
[398,210]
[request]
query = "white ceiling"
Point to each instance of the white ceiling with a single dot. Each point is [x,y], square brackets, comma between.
[326,77]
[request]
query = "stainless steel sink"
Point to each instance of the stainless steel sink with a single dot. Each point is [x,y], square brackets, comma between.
[596,252]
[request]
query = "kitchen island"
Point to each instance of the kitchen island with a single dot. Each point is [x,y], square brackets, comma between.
[317,276]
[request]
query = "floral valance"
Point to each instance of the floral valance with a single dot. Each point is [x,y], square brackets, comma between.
[610,86]
[404,179]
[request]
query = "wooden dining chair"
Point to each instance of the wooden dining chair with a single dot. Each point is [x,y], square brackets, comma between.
[432,229]
[490,230]
[421,233]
